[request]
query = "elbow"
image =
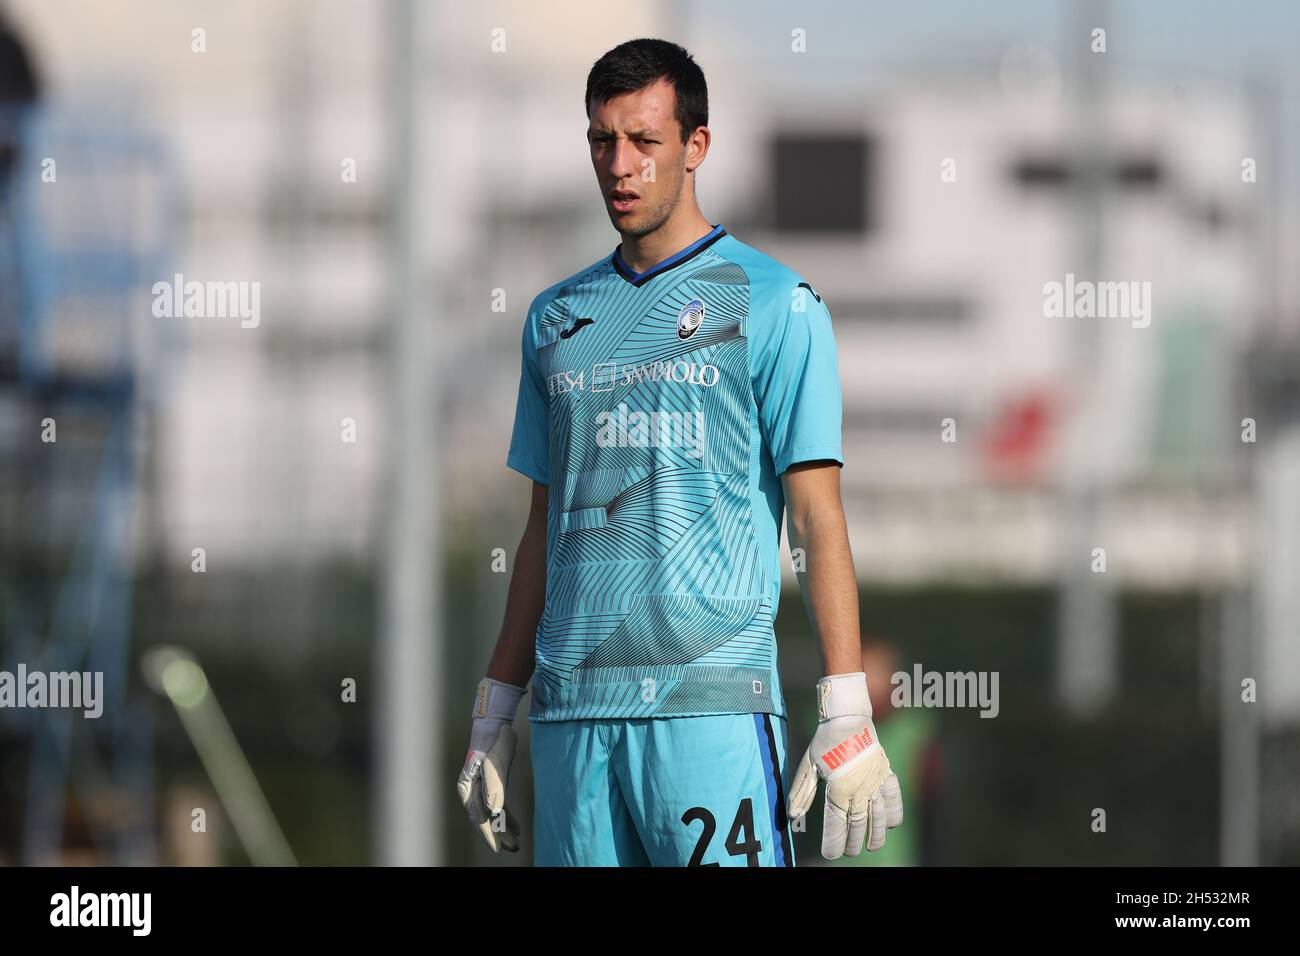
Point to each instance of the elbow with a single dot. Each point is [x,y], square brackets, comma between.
[796,523]
[804,520]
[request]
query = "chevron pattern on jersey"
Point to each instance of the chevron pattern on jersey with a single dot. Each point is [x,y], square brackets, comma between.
[657,597]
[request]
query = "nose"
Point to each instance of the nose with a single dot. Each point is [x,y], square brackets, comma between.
[621,159]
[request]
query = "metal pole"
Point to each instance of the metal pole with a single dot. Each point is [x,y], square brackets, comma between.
[1087,659]
[174,673]
[1246,621]
[408,693]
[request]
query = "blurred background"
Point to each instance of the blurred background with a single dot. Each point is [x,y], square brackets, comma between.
[280,524]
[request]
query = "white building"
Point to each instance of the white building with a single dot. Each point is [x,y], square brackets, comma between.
[951,202]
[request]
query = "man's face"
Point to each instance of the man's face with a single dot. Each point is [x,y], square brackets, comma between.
[639,157]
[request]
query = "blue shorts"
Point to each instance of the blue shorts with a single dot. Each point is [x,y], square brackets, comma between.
[665,791]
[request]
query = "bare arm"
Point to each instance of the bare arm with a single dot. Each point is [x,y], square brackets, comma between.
[513,658]
[863,798]
[815,522]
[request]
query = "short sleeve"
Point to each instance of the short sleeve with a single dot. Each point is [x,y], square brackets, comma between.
[530,441]
[796,379]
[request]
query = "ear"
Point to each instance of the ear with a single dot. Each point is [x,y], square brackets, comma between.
[697,148]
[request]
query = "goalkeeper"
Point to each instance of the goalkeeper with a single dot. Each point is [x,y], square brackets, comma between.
[677,400]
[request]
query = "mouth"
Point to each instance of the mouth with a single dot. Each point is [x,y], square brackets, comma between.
[623,201]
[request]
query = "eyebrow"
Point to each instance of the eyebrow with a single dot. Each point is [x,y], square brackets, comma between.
[601,131]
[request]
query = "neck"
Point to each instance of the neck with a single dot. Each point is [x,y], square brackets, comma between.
[645,252]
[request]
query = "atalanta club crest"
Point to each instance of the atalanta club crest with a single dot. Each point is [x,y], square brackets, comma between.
[690,318]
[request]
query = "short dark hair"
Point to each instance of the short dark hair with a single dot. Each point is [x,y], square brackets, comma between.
[636,64]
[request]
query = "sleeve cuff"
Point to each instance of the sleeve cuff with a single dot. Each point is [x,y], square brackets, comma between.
[809,453]
[528,469]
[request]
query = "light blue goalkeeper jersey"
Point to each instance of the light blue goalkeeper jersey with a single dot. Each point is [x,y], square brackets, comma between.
[661,408]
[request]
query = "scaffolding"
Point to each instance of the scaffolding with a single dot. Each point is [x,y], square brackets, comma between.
[85,232]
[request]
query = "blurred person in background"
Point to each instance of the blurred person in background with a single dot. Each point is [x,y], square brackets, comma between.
[910,736]
[19,90]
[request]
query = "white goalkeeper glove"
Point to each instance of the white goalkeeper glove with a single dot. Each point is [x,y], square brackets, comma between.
[862,795]
[482,781]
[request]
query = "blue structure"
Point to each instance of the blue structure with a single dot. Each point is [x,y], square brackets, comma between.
[86,226]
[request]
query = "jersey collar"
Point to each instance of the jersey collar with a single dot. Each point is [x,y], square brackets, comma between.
[690,252]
